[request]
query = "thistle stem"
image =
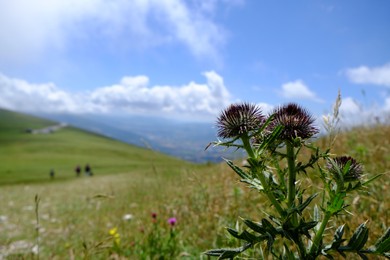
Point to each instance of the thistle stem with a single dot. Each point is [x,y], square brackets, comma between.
[260,174]
[247,146]
[291,180]
[318,237]
[270,195]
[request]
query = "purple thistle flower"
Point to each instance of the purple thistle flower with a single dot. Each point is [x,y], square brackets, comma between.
[295,120]
[338,164]
[239,119]
[172,221]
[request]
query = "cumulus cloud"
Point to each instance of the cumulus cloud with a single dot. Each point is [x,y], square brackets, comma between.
[349,107]
[354,113]
[130,95]
[32,28]
[266,108]
[366,75]
[21,95]
[298,90]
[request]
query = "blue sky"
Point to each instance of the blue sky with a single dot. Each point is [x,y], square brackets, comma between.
[190,59]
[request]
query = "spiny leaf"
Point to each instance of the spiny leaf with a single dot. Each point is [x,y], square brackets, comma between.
[245,235]
[304,227]
[254,226]
[268,226]
[383,243]
[337,240]
[237,169]
[224,253]
[372,179]
[302,206]
[359,237]
[383,247]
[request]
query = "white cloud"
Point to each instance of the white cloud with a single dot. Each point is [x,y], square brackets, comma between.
[387,104]
[266,108]
[29,29]
[21,95]
[353,113]
[365,75]
[130,95]
[349,107]
[298,90]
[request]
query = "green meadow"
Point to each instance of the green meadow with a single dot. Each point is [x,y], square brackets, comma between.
[122,211]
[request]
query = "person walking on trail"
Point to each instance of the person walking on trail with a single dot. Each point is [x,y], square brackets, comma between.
[77,170]
[52,174]
[88,170]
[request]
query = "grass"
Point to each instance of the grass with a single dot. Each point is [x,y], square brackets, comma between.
[29,157]
[76,214]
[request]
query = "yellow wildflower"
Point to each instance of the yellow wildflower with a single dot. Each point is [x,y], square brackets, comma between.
[114,233]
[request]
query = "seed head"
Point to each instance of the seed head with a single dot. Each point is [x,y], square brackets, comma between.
[296,122]
[338,164]
[239,119]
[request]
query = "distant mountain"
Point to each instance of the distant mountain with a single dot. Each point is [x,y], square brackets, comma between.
[185,140]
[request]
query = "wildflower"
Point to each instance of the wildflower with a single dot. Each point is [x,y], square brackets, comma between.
[35,249]
[172,221]
[239,119]
[296,122]
[115,235]
[127,217]
[347,166]
[3,218]
[154,215]
[113,231]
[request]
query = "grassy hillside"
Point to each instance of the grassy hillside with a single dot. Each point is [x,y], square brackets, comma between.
[76,216]
[27,157]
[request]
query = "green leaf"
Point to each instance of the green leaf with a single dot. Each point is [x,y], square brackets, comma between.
[359,238]
[245,235]
[304,227]
[255,226]
[338,235]
[383,243]
[385,236]
[224,253]
[302,206]
[372,179]
[337,204]
[268,226]
[337,239]
[237,169]
[271,138]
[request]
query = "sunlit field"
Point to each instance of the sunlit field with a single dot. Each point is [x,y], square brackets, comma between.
[151,206]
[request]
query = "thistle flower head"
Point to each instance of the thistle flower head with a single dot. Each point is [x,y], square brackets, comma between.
[295,120]
[239,119]
[172,221]
[339,165]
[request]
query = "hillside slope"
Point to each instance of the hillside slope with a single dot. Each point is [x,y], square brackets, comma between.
[27,157]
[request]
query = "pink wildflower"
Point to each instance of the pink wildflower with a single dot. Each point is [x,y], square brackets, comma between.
[172,221]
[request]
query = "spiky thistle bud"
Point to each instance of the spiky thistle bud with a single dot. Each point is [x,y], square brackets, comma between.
[347,166]
[295,120]
[239,119]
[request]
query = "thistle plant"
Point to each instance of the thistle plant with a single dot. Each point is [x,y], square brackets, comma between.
[297,223]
